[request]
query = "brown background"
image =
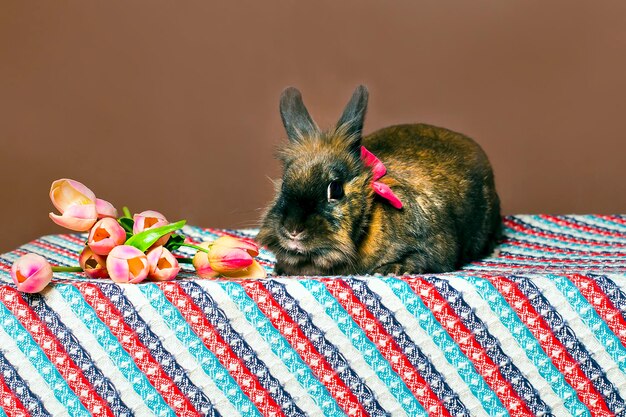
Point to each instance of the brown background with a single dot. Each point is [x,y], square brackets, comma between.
[173,105]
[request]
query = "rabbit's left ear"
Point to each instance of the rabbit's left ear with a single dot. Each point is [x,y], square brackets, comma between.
[351,121]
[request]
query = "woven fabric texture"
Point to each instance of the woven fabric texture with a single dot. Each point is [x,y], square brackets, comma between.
[536,329]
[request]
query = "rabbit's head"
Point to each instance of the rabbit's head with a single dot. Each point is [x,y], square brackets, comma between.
[323,201]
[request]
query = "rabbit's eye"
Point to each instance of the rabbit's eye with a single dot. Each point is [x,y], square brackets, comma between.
[335,191]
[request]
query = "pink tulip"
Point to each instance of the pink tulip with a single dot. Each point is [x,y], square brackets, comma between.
[93,264]
[105,209]
[31,273]
[150,219]
[77,205]
[127,264]
[105,235]
[163,265]
[201,263]
[229,254]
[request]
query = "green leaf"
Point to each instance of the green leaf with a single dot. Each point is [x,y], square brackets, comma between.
[126,223]
[127,212]
[174,242]
[147,238]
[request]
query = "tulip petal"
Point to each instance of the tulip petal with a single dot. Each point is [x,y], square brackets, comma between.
[77,223]
[224,259]
[370,160]
[385,192]
[254,271]
[105,209]
[237,243]
[66,192]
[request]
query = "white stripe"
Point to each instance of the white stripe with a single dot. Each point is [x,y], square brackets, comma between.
[181,354]
[336,337]
[31,375]
[584,335]
[424,341]
[262,349]
[98,355]
[510,345]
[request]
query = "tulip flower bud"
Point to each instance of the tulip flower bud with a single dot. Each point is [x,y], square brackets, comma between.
[201,263]
[31,273]
[229,254]
[163,265]
[150,219]
[105,235]
[93,264]
[127,264]
[77,205]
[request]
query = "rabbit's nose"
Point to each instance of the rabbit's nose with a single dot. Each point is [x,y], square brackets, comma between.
[294,232]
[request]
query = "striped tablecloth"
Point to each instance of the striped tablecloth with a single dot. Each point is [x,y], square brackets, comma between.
[538,328]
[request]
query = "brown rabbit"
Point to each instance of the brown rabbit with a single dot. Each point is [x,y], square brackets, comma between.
[329,217]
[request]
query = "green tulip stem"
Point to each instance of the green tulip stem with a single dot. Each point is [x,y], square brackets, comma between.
[184,260]
[67,269]
[189,245]
[127,212]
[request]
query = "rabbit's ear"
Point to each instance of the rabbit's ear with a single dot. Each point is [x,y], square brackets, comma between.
[296,118]
[351,121]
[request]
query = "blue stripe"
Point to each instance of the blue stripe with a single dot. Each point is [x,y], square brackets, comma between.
[568,338]
[530,345]
[594,322]
[370,352]
[451,351]
[339,363]
[492,348]
[282,349]
[102,385]
[420,362]
[151,341]
[241,348]
[40,361]
[615,294]
[207,359]
[122,360]
[21,390]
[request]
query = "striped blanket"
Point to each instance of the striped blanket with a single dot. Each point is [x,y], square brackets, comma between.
[538,328]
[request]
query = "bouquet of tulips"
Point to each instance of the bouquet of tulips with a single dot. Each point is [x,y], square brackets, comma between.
[130,248]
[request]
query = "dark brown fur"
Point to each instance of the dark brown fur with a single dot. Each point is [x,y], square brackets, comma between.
[451,212]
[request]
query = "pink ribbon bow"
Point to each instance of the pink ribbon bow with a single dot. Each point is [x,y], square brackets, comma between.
[379,170]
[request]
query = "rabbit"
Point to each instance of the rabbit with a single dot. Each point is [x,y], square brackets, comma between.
[438,210]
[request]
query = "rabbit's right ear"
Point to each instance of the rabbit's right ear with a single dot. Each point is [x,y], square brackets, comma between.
[296,118]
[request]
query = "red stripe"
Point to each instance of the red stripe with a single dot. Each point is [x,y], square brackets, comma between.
[602,304]
[552,346]
[9,402]
[387,346]
[470,347]
[216,344]
[53,349]
[291,331]
[512,224]
[585,228]
[129,340]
